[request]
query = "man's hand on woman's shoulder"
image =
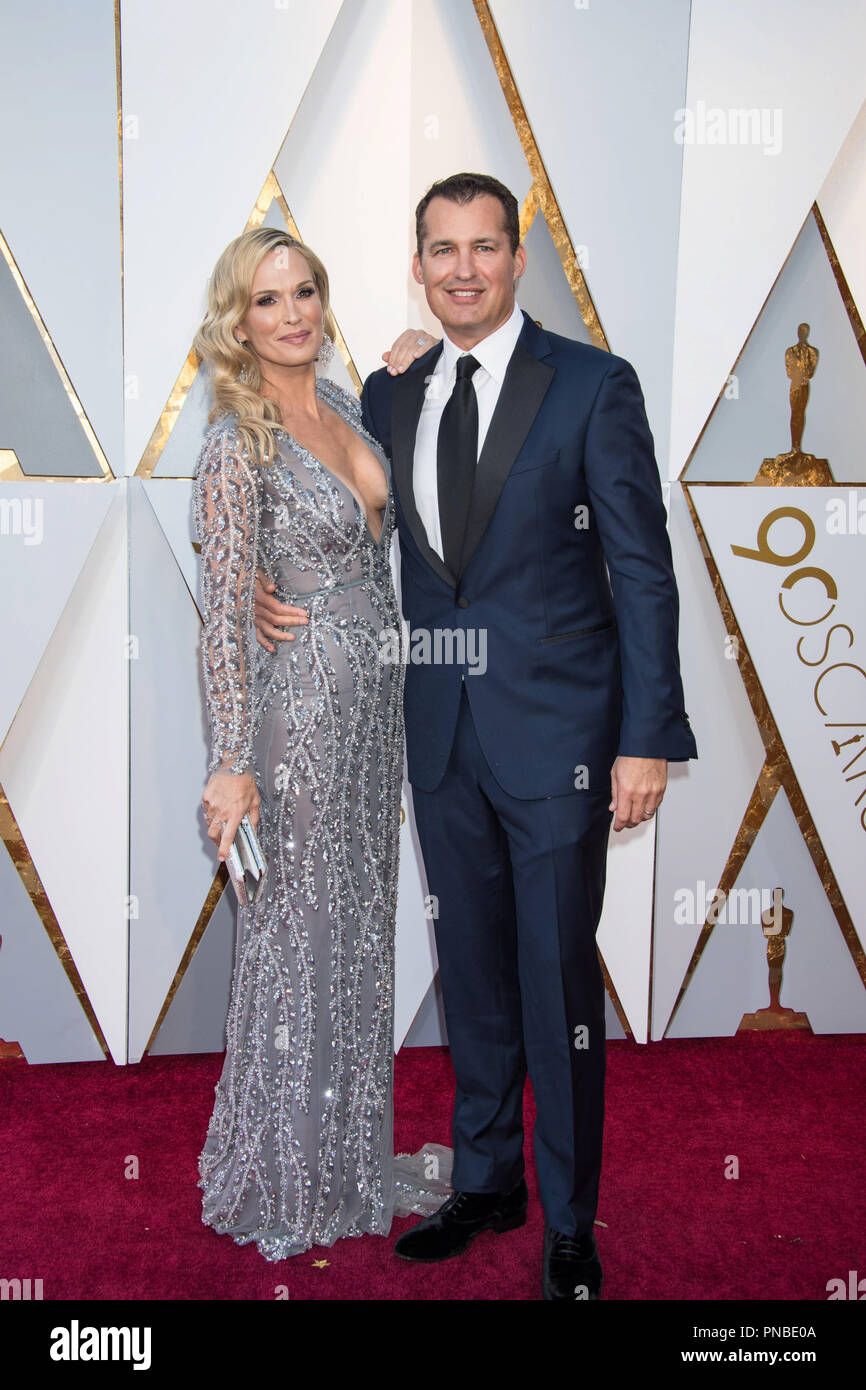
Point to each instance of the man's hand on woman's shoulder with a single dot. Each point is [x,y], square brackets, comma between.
[405,349]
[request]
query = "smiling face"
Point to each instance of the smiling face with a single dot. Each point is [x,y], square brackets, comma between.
[467,267]
[283,324]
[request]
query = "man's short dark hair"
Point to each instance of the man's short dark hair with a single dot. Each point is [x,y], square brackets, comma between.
[462,188]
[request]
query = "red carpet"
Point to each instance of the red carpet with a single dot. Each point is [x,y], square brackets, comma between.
[790,1109]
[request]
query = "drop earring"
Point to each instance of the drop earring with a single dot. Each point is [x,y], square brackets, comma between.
[242,343]
[326,351]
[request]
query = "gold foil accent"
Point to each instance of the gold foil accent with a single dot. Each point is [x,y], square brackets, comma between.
[10,833]
[10,468]
[541,185]
[166,422]
[841,283]
[271,192]
[614,997]
[794,470]
[215,892]
[30,303]
[527,212]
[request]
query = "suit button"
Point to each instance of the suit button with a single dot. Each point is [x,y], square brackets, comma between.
[463,603]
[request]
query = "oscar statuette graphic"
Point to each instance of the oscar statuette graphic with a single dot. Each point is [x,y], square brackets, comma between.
[776,923]
[796,469]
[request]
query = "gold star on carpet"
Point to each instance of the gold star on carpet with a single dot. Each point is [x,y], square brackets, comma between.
[321,1264]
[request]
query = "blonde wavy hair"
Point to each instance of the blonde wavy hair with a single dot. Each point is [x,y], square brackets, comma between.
[235,376]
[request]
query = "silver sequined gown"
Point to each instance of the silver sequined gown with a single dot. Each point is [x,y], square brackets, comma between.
[299,1149]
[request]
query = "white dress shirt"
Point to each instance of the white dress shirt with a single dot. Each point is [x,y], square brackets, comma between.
[493,353]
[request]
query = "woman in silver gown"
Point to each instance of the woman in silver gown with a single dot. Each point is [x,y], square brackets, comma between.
[309,740]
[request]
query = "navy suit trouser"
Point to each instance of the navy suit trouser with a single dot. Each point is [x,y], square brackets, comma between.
[519,885]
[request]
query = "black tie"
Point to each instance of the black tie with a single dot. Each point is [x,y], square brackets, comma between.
[456,455]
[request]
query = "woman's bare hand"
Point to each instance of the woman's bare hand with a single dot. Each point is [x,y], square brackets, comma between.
[269,615]
[227,798]
[404,350]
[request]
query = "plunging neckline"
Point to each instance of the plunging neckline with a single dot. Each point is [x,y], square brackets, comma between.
[359,506]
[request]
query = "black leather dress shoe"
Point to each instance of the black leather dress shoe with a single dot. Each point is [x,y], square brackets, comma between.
[450,1229]
[572,1269]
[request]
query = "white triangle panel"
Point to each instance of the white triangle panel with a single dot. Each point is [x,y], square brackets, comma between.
[196,1019]
[40,561]
[171,501]
[38,420]
[344,170]
[404,95]
[842,202]
[63,766]
[752,421]
[625,930]
[209,89]
[459,116]
[39,1009]
[60,193]
[428,1026]
[745,197]
[544,291]
[706,797]
[819,977]
[172,861]
[416,960]
[600,83]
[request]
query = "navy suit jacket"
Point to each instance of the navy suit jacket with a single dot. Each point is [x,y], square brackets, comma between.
[566,569]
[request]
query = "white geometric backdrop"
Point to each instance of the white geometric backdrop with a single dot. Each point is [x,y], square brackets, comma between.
[136,140]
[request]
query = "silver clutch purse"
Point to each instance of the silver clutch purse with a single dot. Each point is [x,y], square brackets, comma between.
[247,864]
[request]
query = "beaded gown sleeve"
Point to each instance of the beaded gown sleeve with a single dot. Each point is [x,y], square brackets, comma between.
[226,512]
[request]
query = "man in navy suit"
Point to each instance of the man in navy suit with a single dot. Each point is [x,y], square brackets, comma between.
[531,527]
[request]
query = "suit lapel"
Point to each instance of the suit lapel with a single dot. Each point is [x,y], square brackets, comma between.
[523,389]
[406,406]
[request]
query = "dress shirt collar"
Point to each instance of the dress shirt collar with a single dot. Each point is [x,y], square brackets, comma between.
[493,352]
